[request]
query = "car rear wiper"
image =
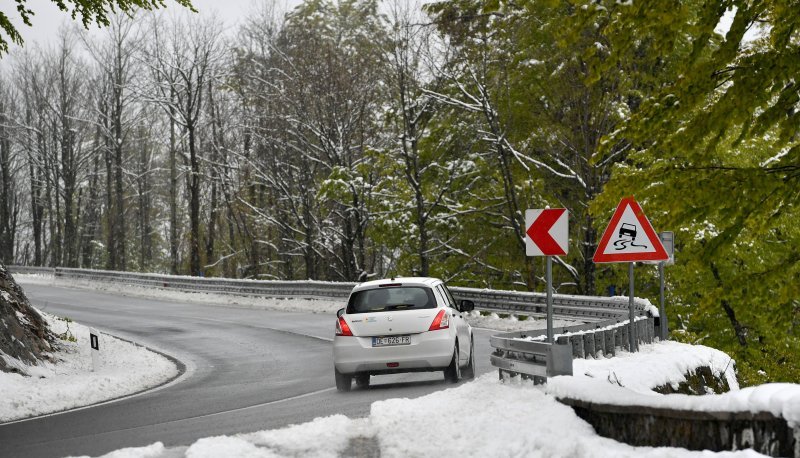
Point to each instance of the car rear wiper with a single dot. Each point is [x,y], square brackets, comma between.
[401,306]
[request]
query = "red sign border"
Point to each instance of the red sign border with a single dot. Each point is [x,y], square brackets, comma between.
[561,212]
[659,255]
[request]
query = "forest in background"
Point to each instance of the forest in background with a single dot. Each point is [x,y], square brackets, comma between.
[352,137]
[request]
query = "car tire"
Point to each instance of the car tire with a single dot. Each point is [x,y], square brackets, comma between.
[453,372]
[469,371]
[343,381]
[362,380]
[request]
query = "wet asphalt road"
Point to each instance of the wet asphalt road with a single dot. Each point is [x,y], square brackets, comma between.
[247,370]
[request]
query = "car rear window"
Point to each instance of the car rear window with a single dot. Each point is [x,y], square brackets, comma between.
[389,299]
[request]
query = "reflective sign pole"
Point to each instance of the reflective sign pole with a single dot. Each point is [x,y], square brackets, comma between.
[631,317]
[549,299]
[94,342]
[662,318]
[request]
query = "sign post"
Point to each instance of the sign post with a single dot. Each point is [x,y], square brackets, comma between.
[630,238]
[547,235]
[94,341]
[668,240]
[631,312]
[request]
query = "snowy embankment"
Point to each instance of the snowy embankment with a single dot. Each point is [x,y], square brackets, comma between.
[487,417]
[628,379]
[491,321]
[68,382]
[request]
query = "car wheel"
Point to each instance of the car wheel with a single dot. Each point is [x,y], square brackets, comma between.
[469,371]
[362,380]
[343,381]
[453,372]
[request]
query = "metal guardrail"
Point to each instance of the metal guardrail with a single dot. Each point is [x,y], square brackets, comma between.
[604,318]
[598,310]
[539,359]
[522,352]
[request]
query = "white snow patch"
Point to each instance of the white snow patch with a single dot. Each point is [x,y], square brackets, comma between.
[125,368]
[481,418]
[658,364]
[512,323]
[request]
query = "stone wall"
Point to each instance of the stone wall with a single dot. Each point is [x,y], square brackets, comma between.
[716,431]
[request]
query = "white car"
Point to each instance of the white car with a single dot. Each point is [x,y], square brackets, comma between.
[402,325]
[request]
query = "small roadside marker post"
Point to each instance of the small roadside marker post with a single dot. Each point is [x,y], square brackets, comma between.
[547,232]
[94,341]
[630,237]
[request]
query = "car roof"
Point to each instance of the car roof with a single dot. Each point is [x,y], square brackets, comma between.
[429,282]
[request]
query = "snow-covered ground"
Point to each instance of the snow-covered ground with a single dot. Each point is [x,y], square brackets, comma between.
[69,382]
[486,417]
[475,318]
[628,378]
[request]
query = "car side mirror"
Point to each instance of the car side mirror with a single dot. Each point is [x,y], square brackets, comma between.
[339,312]
[467,305]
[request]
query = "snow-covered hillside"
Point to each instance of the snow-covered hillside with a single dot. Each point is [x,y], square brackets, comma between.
[69,382]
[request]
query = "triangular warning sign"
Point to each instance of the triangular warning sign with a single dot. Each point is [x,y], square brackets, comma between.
[629,237]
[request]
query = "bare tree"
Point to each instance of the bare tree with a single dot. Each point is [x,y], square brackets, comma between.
[116,116]
[9,201]
[182,62]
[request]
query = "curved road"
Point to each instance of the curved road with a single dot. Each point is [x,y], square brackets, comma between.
[247,370]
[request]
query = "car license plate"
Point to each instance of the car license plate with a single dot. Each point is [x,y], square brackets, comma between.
[391,340]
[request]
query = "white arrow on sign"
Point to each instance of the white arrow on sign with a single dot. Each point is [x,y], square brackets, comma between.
[547,232]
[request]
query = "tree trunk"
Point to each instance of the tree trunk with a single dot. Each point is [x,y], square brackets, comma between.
[6,197]
[738,328]
[194,205]
[173,193]
[111,241]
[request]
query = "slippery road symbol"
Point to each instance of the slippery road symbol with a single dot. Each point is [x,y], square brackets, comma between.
[627,234]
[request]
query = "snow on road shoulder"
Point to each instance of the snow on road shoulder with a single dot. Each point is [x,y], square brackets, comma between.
[476,319]
[512,323]
[69,382]
[481,418]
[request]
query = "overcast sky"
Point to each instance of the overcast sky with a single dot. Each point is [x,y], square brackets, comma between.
[48,18]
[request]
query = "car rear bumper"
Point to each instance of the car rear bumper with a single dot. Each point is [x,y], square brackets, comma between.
[432,350]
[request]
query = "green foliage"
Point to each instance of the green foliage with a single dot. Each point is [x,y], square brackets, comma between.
[66,335]
[716,160]
[87,11]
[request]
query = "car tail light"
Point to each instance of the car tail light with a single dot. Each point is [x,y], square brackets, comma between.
[342,329]
[442,321]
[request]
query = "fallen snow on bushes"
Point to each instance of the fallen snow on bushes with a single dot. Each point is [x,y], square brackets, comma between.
[628,379]
[69,382]
[481,418]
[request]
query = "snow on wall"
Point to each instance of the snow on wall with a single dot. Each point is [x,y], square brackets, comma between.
[629,378]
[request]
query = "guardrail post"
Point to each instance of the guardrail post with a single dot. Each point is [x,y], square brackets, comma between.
[559,360]
[588,345]
[563,340]
[642,331]
[609,342]
[623,332]
[599,343]
[577,345]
